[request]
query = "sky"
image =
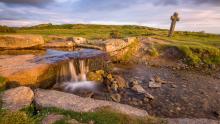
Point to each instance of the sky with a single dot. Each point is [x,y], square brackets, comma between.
[195,15]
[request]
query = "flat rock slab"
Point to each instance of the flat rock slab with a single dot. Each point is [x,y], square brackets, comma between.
[17,98]
[22,70]
[113,45]
[66,101]
[20,41]
[192,121]
[54,56]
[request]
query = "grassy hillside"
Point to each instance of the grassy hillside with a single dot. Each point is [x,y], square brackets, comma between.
[197,46]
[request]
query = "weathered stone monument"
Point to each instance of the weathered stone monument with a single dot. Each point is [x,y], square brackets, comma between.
[175,18]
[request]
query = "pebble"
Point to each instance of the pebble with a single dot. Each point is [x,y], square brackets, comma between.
[173,86]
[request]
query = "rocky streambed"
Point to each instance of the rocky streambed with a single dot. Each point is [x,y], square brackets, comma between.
[161,87]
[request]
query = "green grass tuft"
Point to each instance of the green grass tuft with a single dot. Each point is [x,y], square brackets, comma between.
[130,52]
[154,52]
[102,116]
[7,117]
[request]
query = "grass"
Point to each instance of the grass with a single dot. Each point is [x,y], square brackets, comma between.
[2,83]
[102,116]
[2,79]
[130,52]
[198,47]
[7,117]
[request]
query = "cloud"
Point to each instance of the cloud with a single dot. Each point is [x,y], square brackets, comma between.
[214,2]
[196,15]
[26,2]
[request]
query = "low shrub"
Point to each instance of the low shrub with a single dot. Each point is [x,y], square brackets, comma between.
[200,54]
[130,52]
[153,52]
[2,83]
[5,29]
[115,34]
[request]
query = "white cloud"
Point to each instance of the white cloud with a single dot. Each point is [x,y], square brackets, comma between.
[193,17]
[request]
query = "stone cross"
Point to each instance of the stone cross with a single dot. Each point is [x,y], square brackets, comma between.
[175,18]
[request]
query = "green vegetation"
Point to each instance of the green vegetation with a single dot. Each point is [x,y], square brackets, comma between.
[5,29]
[129,52]
[87,31]
[2,79]
[7,117]
[2,83]
[154,52]
[115,35]
[198,47]
[102,116]
[200,54]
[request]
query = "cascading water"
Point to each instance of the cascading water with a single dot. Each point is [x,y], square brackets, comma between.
[73,67]
[72,75]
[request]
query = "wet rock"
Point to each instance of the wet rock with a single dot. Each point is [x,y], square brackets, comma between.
[120,82]
[17,98]
[52,118]
[155,83]
[138,88]
[146,100]
[148,95]
[178,109]
[159,80]
[20,41]
[114,86]
[173,86]
[96,76]
[66,101]
[116,97]
[135,82]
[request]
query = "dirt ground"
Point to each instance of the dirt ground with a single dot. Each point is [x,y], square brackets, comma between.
[187,94]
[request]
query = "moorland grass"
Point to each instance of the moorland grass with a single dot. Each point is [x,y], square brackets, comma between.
[196,46]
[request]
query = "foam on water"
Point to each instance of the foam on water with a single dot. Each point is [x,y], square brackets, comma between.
[72,86]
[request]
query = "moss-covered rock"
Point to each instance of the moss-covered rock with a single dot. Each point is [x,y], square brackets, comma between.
[96,76]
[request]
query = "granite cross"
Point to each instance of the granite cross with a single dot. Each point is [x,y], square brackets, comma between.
[174,19]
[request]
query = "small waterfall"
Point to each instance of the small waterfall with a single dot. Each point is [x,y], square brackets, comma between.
[72,75]
[84,69]
[73,71]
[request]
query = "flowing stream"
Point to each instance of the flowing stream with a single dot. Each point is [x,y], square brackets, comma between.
[72,75]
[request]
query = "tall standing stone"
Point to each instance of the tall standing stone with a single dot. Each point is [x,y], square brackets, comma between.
[175,18]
